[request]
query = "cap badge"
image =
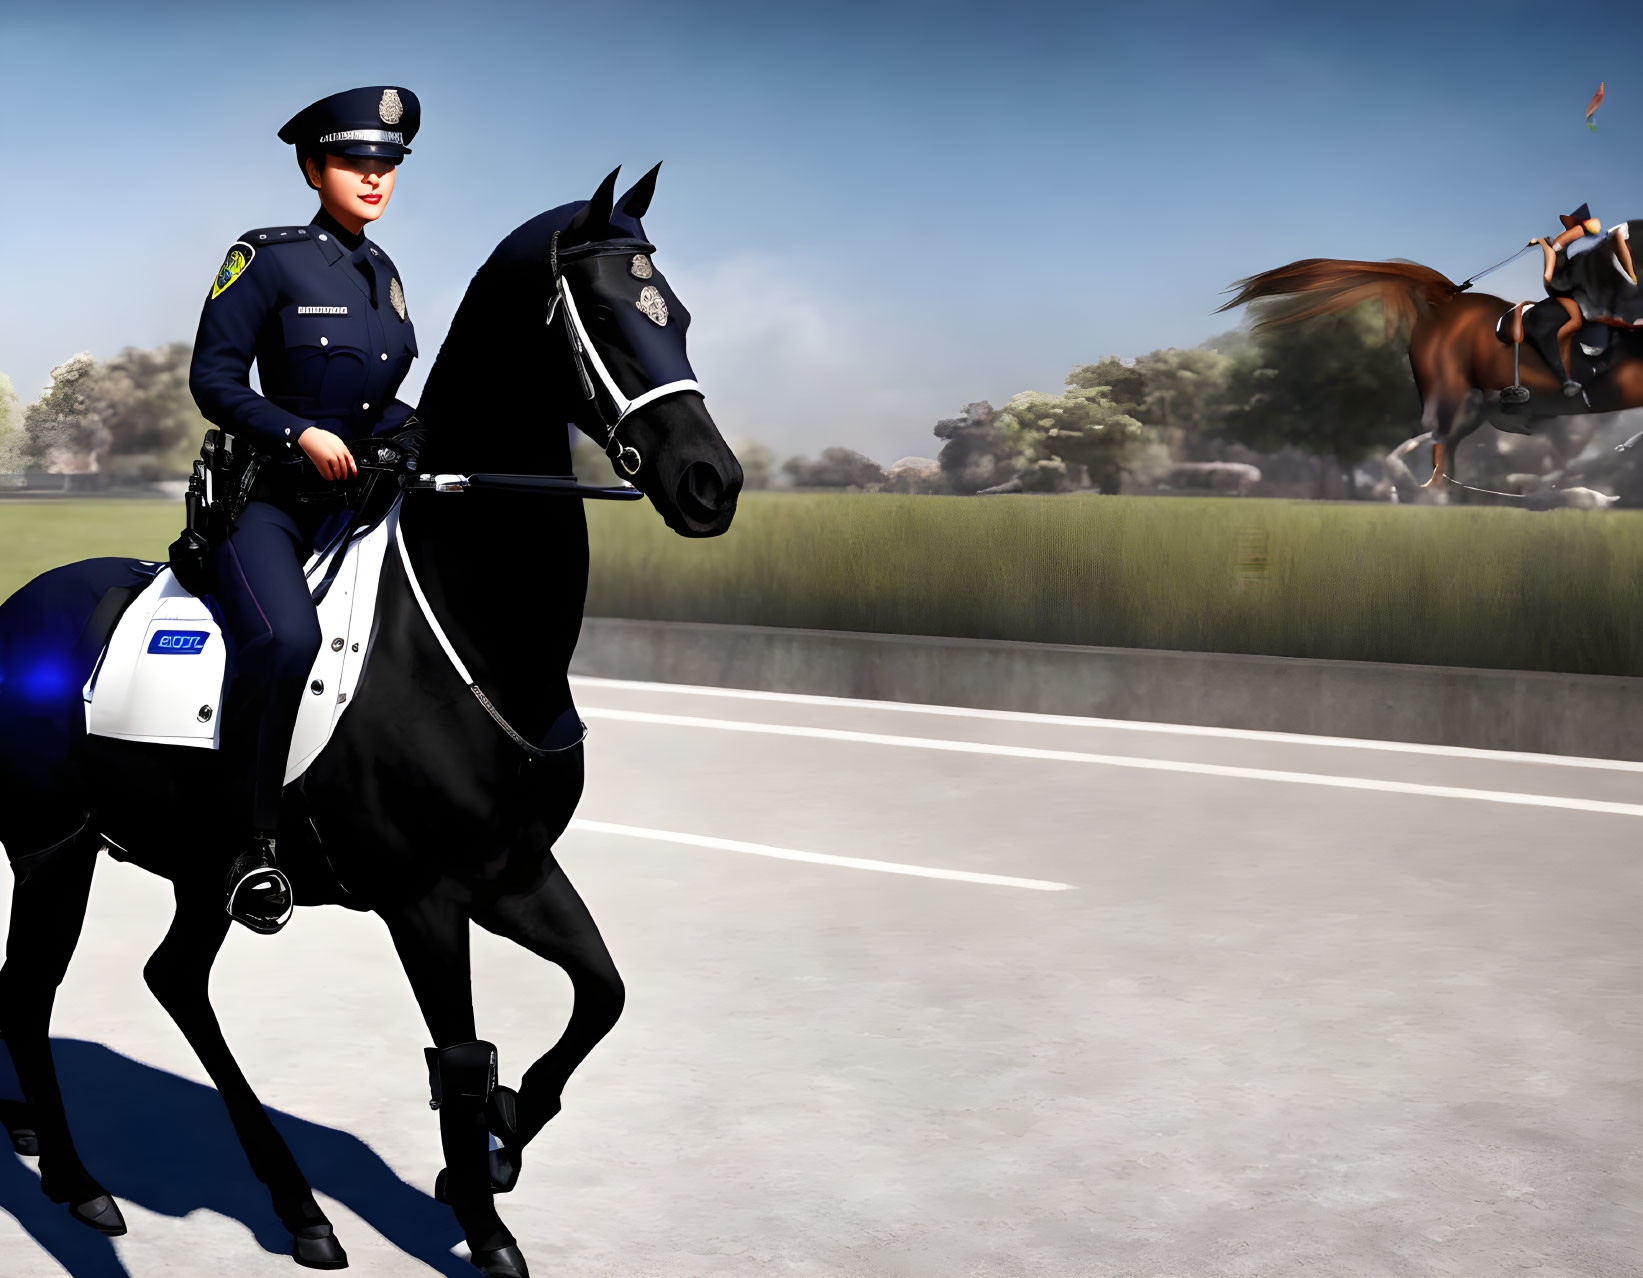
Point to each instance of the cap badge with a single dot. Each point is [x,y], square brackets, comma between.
[641,267]
[233,266]
[396,297]
[652,304]
[390,108]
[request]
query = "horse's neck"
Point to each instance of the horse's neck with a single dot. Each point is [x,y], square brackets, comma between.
[506,575]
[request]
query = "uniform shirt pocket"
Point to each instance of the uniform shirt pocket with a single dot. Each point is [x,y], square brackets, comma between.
[326,361]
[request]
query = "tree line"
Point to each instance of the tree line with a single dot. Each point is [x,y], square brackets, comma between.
[131,417]
[1337,387]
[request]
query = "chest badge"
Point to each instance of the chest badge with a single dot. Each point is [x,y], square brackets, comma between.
[396,297]
[390,108]
[233,266]
[652,304]
[641,267]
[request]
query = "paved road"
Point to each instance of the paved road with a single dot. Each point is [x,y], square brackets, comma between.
[1193,1003]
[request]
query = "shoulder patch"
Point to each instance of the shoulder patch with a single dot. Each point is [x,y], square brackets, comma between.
[233,266]
[266,235]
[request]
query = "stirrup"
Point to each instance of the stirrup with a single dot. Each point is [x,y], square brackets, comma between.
[1514,394]
[259,894]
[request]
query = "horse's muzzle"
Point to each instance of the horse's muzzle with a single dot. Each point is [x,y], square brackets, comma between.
[706,499]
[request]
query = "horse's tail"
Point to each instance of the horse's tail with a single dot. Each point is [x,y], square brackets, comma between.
[1320,285]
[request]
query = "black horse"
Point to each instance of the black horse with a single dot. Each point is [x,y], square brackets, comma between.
[457,785]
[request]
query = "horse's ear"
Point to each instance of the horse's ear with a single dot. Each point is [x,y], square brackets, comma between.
[637,200]
[594,216]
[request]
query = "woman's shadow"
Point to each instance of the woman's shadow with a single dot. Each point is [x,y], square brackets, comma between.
[165,1143]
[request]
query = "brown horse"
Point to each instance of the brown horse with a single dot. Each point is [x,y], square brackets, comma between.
[1459,359]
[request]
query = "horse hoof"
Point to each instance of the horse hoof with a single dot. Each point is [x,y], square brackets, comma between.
[102,1213]
[1571,389]
[440,1182]
[314,1249]
[504,1262]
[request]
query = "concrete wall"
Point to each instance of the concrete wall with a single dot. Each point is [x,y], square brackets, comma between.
[1594,715]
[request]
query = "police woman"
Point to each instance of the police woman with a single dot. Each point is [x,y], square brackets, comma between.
[321,311]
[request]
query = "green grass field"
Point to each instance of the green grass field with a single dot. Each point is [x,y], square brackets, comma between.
[40,534]
[1452,586]
[1462,586]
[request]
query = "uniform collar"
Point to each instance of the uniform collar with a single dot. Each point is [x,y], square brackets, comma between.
[350,241]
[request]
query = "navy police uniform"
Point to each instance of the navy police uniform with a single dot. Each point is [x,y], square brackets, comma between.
[328,327]
[322,313]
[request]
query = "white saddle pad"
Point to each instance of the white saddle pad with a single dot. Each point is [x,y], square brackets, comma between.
[160,680]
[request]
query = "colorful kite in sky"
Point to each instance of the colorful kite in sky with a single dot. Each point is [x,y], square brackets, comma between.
[1592,106]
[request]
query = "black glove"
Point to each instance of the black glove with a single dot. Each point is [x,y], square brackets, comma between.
[410,439]
[395,451]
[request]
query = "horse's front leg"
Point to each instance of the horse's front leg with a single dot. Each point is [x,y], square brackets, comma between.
[179,974]
[431,936]
[550,920]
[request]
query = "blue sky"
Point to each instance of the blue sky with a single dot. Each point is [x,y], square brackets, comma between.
[875,212]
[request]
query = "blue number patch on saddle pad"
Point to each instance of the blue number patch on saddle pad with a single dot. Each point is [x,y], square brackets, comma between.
[179,642]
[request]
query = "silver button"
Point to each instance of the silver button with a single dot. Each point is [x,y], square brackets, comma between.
[364,406]
[262,237]
[287,430]
[384,354]
[322,237]
[325,341]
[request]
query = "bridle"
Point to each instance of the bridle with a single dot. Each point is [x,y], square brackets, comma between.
[624,457]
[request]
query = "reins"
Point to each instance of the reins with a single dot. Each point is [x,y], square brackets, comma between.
[531,751]
[1467,282]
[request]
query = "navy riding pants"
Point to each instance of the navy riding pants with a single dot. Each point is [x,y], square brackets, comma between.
[272,633]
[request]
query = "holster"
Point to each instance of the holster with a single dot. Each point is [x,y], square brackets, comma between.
[218,488]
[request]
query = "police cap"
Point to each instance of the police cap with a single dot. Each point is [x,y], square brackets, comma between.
[380,120]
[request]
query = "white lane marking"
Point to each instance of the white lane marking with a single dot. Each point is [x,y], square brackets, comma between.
[1120,725]
[815,858]
[1126,761]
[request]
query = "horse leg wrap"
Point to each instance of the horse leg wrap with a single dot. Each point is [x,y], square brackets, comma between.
[462,1082]
[463,1072]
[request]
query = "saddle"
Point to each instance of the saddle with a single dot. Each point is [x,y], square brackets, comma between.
[1597,345]
[159,679]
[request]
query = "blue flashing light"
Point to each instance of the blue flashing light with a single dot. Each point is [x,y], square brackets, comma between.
[47,678]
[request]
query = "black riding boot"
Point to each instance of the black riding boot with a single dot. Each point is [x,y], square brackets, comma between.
[1541,323]
[259,894]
